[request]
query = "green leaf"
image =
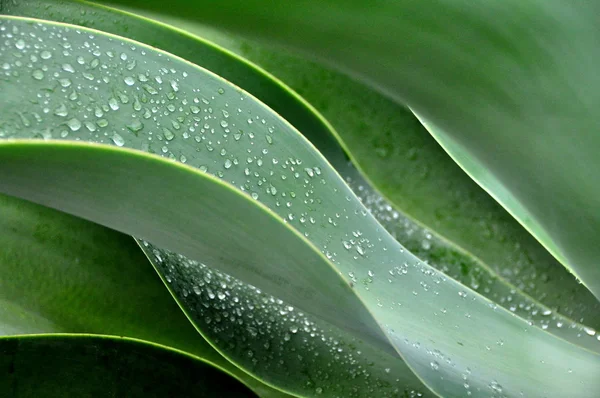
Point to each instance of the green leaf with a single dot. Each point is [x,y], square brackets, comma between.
[95,182]
[514,267]
[279,343]
[355,358]
[82,278]
[499,84]
[103,366]
[265,354]
[61,274]
[515,259]
[418,178]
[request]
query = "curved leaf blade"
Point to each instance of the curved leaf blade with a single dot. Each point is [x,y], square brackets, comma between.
[403,378]
[375,251]
[356,357]
[512,262]
[412,171]
[517,259]
[277,342]
[61,274]
[529,68]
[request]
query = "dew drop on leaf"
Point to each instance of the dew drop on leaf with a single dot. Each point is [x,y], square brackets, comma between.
[61,111]
[74,124]
[37,74]
[130,81]
[68,68]
[169,136]
[117,139]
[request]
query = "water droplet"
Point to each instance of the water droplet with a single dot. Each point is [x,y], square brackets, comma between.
[149,89]
[169,136]
[74,124]
[20,44]
[61,111]
[90,126]
[38,74]
[589,331]
[68,68]
[495,386]
[117,139]
[135,126]
[130,81]
[137,106]
[227,164]
[114,105]
[46,54]
[64,82]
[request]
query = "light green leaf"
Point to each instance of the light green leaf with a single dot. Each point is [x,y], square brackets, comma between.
[61,274]
[467,338]
[104,366]
[355,358]
[419,179]
[514,267]
[513,84]
[517,259]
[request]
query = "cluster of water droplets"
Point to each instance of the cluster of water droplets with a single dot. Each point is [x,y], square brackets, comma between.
[272,339]
[103,90]
[462,267]
[70,84]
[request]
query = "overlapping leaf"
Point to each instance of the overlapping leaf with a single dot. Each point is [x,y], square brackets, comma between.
[505,87]
[354,358]
[60,274]
[515,256]
[348,224]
